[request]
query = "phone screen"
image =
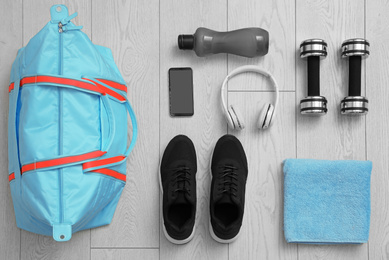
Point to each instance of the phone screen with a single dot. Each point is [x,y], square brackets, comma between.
[181,91]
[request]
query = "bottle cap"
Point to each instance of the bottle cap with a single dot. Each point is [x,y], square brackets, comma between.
[186,42]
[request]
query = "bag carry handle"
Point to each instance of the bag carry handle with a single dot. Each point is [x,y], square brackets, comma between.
[134,128]
[80,85]
[111,124]
[130,111]
[111,161]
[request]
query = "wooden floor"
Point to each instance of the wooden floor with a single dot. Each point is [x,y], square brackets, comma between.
[143,38]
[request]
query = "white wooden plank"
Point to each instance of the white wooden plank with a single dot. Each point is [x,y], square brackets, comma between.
[207,125]
[35,16]
[332,136]
[377,77]
[278,18]
[43,247]
[262,234]
[131,30]
[124,254]
[10,42]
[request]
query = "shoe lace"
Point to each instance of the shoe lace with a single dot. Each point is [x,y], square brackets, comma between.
[229,182]
[181,176]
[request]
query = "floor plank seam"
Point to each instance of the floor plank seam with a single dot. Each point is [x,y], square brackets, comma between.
[295,93]
[159,122]
[122,248]
[266,91]
[364,33]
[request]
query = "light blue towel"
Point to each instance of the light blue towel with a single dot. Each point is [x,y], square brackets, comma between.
[326,202]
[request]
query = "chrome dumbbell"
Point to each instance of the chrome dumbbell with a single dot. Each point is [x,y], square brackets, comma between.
[355,50]
[313,50]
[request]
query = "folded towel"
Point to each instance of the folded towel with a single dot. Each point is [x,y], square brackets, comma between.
[326,202]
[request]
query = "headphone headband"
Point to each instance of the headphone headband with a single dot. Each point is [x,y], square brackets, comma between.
[248,68]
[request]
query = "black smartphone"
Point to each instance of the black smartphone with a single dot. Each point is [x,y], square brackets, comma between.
[181,91]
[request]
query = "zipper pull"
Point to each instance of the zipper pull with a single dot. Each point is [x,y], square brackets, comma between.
[66,20]
[72,28]
[60,26]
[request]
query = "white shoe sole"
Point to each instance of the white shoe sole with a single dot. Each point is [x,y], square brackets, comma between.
[172,240]
[218,239]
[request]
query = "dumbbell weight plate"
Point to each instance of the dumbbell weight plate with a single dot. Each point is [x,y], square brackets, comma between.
[313,47]
[355,47]
[356,106]
[313,105]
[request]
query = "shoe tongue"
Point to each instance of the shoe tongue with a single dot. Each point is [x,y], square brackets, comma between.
[180,198]
[226,198]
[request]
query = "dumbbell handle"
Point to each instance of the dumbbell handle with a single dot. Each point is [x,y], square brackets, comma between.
[354,81]
[314,76]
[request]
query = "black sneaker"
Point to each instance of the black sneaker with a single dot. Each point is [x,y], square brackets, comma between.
[178,185]
[229,175]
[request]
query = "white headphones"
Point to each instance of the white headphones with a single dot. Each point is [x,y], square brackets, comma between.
[232,114]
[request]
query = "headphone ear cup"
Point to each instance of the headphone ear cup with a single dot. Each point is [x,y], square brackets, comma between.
[265,116]
[230,117]
[236,118]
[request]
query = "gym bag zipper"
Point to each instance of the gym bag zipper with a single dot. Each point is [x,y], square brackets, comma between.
[61,213]
[61,29]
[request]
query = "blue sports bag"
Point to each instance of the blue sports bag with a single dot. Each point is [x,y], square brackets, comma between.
[67,131]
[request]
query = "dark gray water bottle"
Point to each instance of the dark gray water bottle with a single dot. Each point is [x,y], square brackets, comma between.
[247,42]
